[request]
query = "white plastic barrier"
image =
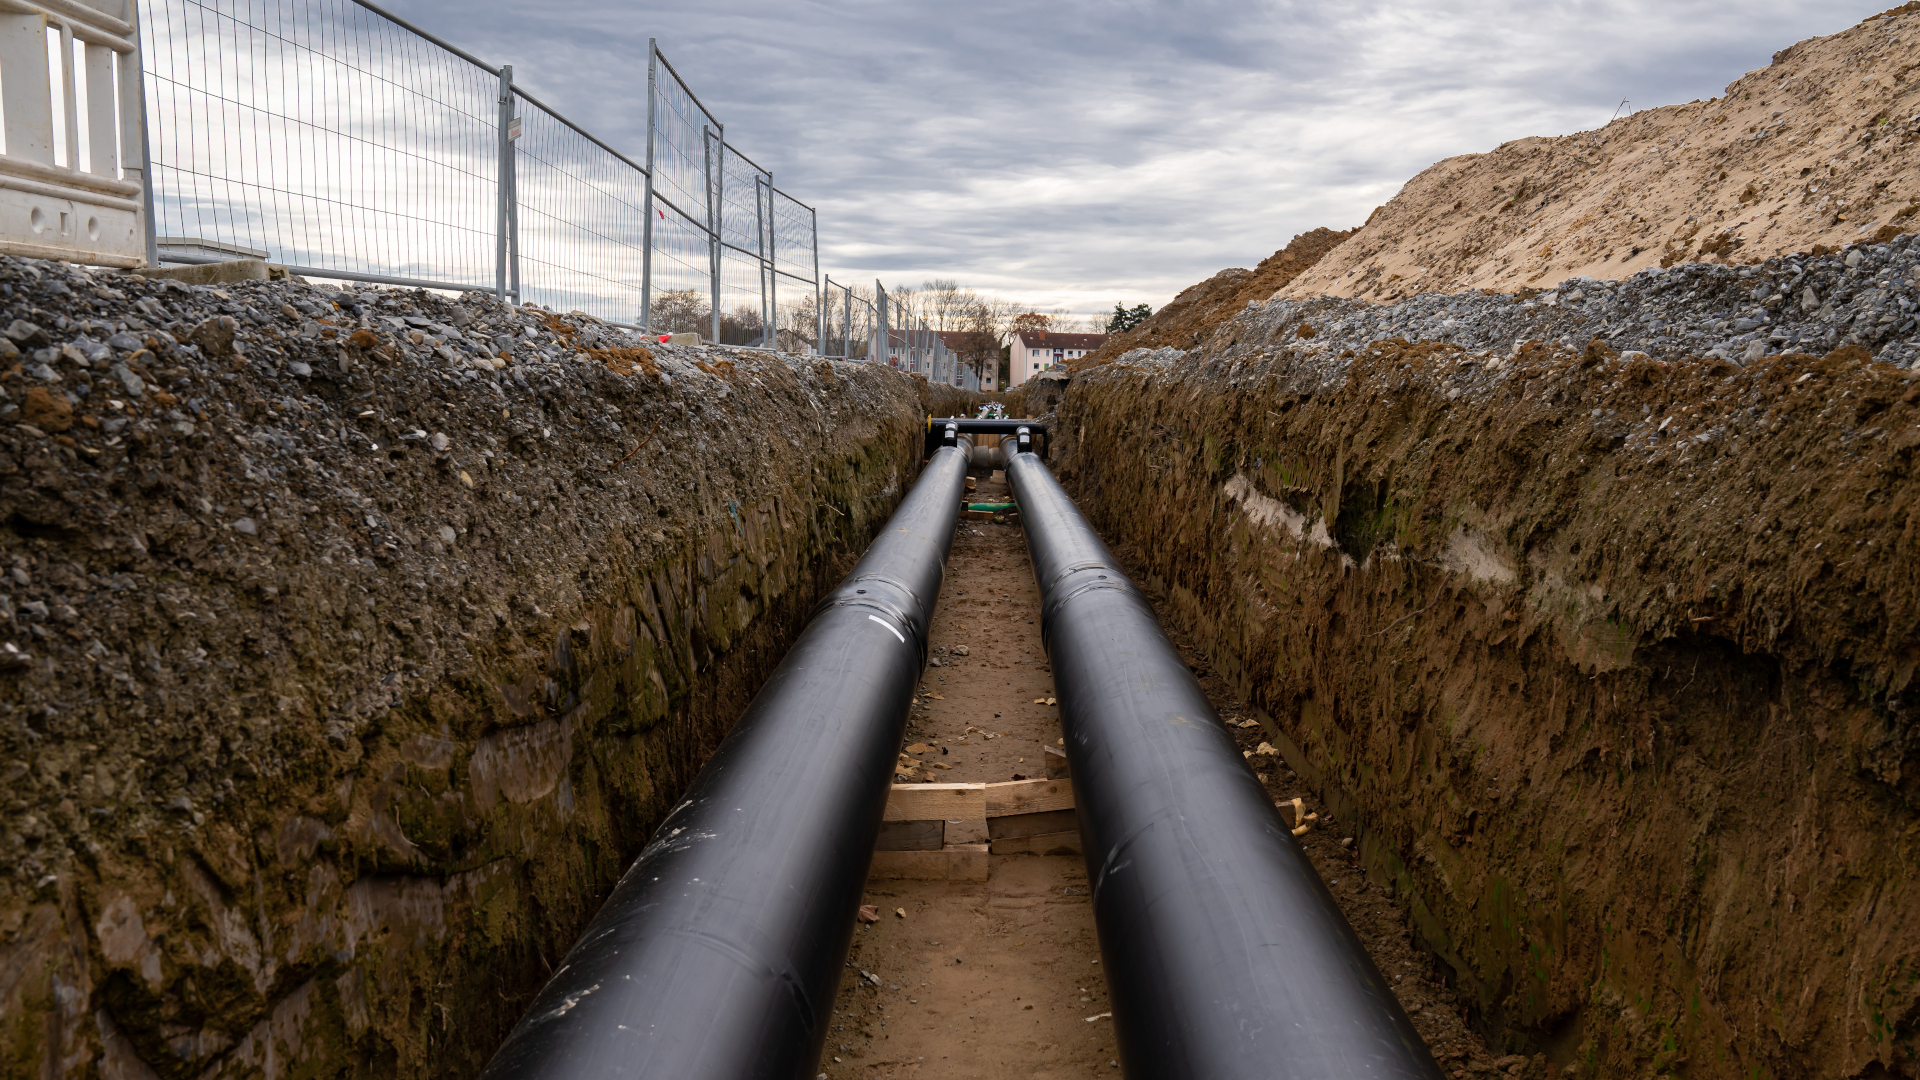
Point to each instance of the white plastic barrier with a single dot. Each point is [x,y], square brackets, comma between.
[49,207]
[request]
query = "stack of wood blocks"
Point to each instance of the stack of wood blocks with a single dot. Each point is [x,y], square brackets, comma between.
[944,832]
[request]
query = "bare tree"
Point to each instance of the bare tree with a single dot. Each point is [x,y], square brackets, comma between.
[947,304]
[681,311]
[1030,322]
[983,334]
[798,327]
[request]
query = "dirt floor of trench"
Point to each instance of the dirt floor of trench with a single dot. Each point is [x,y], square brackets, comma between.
[1003,977]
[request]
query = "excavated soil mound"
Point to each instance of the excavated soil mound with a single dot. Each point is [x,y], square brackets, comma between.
[1816,149]
[352,641]
[1199,308]
[1607,653]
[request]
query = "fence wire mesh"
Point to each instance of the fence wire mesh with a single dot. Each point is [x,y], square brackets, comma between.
[683,147]
[333,136]
[793,253]
[581,211]
[322,134]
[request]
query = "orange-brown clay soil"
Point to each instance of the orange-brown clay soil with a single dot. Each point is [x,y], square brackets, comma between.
[1003,978]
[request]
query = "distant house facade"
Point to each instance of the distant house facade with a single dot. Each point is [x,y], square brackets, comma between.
[1032,353]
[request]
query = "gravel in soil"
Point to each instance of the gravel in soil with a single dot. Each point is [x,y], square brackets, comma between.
[380,614]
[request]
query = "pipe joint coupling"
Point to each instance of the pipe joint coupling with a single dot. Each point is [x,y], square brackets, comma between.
[1075,581]
[895,604]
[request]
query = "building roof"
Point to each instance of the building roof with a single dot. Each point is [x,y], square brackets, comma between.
[1049,340]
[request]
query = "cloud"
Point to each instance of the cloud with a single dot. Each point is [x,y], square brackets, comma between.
[1075,154]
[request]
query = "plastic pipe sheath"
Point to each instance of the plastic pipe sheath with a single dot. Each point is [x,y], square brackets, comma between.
[1225,955]
[719,952]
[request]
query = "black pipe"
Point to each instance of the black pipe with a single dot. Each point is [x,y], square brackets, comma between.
[969,426]
[1225,955]
[719,953]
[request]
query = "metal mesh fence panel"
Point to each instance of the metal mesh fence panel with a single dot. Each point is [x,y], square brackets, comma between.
[581,210]
[741,283]
[743,215]
[743,188]
[792,238]
[332,136]
[680,149]
[320,134]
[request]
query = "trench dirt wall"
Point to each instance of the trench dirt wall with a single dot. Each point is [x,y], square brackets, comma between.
[328,791]
[1628,727]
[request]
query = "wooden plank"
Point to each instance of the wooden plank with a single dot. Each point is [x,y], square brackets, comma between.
[1057,768]
[954,862]
[1046,821]
[908,866]
[1027,797]
[967,862]
[911,836]
[967,832]
[936,802]
[1063,843]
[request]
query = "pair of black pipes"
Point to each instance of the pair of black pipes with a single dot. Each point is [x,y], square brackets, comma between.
[718,955]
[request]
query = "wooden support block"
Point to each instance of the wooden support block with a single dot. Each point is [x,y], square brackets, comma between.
[954,862]
[1060,843]
[966,832]
[937,802]
[1027,797]
[909,866]
[970,484]
[1057,767]
[966,862]
[911,836]
[979,515]
[1040,824]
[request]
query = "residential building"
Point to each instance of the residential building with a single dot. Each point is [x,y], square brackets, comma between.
[1032,353]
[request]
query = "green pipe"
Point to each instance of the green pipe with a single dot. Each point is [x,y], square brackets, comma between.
[993,508]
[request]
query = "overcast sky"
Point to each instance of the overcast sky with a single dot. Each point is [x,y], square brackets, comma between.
[1074,154]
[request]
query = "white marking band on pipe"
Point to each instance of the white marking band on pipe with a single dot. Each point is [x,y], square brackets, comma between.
[889,627]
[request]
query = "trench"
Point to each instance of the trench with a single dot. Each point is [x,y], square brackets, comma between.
[1003,977]
[975,951]
[997,977]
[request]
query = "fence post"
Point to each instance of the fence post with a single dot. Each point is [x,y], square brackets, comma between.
[846,346]
[504,247]
[760,248]
[772,262]
[646,230]
[716,206]
[133,110]
[819,291]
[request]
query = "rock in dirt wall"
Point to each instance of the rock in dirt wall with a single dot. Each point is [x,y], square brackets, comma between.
[1611,656]
[352,642]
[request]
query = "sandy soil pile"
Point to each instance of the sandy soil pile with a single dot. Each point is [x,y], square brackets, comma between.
[1815,149]
[1199,308]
